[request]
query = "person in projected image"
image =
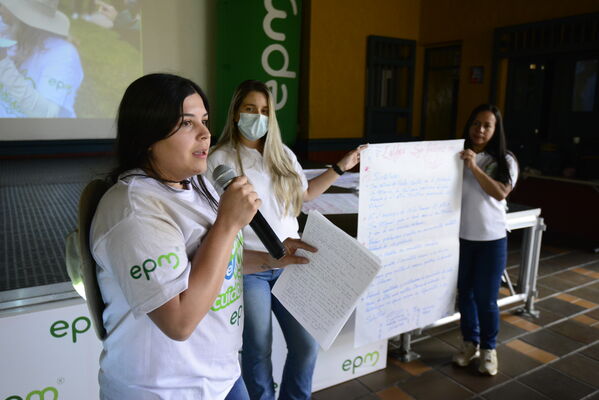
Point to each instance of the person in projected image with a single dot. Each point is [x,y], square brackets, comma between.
[41,73]
[251,144]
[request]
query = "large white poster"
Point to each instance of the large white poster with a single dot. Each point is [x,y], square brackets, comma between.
[409,216]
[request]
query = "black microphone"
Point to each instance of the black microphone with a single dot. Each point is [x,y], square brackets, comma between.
[222,176]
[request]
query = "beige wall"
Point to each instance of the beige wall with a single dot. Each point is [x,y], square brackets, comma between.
[178,37]
[472,23]
[337,59]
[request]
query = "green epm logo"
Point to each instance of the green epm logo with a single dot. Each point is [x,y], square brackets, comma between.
[62,328]
[369,360]
[170,260]
[48,393]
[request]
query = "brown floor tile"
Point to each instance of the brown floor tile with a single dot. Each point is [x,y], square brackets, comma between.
[513,258]
[574,277]
[550,250]
[551,342]
[414,368]
[513,273]
[544,291]
[393,393]
[576,331]
[582,368]
[434,352]
[519,322]
[585,303]
[533,352]
[453,338]
[583,319]
[369,396]
[471,378]
[593,266]
[554,282]
[592,352]
[567,297]
[545,317]
[593,314]
[350,390]
[508,331]
[434,385]
[556,385]
[381,379]
[583,271]
[559,306]
[515,391]
[571,298]
[513,363]
[587,293]
[563,261]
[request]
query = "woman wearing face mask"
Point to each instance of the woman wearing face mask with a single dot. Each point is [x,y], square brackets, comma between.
[490,174]
[251,144]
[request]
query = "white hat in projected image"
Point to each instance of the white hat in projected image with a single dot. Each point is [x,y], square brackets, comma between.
[40,14]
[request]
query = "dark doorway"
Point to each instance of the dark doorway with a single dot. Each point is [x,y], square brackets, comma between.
[440,99]
[389,89]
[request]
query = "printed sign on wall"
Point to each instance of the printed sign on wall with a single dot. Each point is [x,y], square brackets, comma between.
[259,39]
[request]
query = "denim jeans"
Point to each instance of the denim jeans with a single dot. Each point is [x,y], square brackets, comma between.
[256,364]
[238,391]
[479,277]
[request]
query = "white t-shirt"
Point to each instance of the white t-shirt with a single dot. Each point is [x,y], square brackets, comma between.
[143,237]
[55,72]
[483,217]
[255,169]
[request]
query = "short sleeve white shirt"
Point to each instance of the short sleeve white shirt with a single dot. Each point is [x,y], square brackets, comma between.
[258,174]
[483,217]
[55,72]
[143,237]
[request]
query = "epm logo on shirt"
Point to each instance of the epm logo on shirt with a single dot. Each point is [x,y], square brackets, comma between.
[170,260]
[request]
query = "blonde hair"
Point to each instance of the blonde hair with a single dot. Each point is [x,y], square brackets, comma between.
[286,182]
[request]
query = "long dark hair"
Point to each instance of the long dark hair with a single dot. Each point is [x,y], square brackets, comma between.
[496,147]
[150,111]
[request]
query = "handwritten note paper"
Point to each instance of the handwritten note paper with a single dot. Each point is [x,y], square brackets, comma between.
[409,216]
[321,295]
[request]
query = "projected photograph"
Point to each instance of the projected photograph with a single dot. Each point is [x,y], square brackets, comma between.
[67,58]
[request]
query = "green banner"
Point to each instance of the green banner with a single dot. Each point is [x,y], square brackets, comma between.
[259,39]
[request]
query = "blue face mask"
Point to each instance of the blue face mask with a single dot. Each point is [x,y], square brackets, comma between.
[252,126]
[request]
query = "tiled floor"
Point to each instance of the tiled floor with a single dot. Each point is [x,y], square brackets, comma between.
[554,356]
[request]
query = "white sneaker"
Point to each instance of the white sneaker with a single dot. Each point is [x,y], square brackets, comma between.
[468,352]
[488,362]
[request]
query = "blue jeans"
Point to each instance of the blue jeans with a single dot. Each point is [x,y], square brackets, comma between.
[238,391]
[479,278]
[256,365]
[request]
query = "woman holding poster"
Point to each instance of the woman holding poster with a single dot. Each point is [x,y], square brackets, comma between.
[489,177]
[251,144]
